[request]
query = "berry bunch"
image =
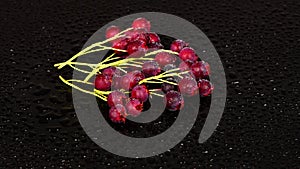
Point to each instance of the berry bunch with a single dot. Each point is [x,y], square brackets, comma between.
[129,77]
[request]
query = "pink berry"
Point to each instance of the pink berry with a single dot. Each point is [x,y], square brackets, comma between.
[174,101]
[151,68]
[188,53]
[117,114]
[177,45]
[141,23]
[111,31]
[164,58]
[115,97]
[205,87]
[188,86]
[140,92]
[111,71]
[200,69]
[102,82]
[134,107]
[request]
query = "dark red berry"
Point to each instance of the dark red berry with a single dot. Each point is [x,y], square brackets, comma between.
[121,44]
[141,23]
[153,38]
[134,107]
[188,86]
[188,53]
[140,92]
[177,45]
[136,48]
[200,69]
[174,101]
[102,82]
[155,46]
[115,97]
[205,87]
[165,87]
[117,114]
[164,58]
[151,68]
[111,31]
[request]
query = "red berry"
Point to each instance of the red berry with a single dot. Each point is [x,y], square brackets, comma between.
[115,97]
[177,45]
[188,53]
[131,79]
[188,86]
[141,23]
[151,68]
[121,44]
[111,71]
[102,82]
[200,69]
[136,48]
[164,58]
[140,92]
[111,31]
[153,38]
[117,114]
[174,101]
[134,107]
[205,87]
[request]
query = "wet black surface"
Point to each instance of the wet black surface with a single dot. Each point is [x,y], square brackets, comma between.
[258,43]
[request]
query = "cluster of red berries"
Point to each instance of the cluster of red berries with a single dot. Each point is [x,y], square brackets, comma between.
[136,43]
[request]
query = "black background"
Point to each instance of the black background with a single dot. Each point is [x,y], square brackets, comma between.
[258,43]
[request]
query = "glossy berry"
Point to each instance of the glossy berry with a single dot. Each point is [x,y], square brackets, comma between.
[188,86]
[200,69]
[188,53]
[141,23]
[151,68]
[164,58]
[121,44]
[178,45]
[115,97]
[153,38]
[110,71]
[140,92]
[102,82]
[137,47]
[174,101]
[205,87]
[134,107]
[111,31]
[117,113]
[166,87]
